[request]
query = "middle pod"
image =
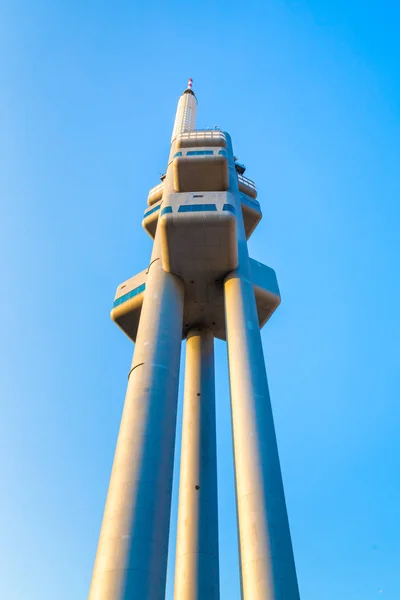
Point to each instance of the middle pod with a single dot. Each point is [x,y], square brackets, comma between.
[198,234]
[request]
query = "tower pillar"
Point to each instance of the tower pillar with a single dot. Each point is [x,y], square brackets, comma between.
[131,560]
[265,548]
[197,566]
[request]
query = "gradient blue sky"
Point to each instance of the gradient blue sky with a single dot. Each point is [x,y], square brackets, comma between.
[309,90]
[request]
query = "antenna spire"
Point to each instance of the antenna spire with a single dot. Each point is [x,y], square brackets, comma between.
[190,83]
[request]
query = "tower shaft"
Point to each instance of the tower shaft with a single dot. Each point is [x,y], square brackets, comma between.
[132,551]
[265,549]
[197,570]
[200,284]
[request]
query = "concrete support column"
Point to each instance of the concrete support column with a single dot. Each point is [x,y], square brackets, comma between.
[131,559]
[266,555]
[197,565]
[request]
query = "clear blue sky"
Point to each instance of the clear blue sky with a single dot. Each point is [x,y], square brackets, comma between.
[309,90]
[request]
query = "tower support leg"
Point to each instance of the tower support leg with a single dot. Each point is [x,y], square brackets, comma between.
[197,566]
[131,556]
[266,555]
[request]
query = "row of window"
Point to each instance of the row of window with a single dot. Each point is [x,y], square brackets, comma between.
[201,153]
[151,211]
[204,208]
[167,209]
[199,207]
[129,295]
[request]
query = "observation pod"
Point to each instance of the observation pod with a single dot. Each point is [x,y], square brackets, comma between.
[200,284]
[198,234]
[129,297]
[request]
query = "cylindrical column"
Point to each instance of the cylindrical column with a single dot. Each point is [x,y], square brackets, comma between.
[266,555]
[197,567]
[131,556]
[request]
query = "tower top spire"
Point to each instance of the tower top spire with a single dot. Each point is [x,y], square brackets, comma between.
[189,89]
[185,118]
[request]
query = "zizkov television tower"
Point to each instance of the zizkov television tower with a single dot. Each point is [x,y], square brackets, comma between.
[199,284]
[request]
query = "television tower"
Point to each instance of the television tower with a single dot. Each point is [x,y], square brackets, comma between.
[199,284]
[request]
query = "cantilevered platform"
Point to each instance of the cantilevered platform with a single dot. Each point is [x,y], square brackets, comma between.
[204,302]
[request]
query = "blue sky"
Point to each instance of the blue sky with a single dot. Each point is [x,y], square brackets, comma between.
[309,91]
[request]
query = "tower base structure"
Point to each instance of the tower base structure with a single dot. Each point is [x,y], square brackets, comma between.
[196,569]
